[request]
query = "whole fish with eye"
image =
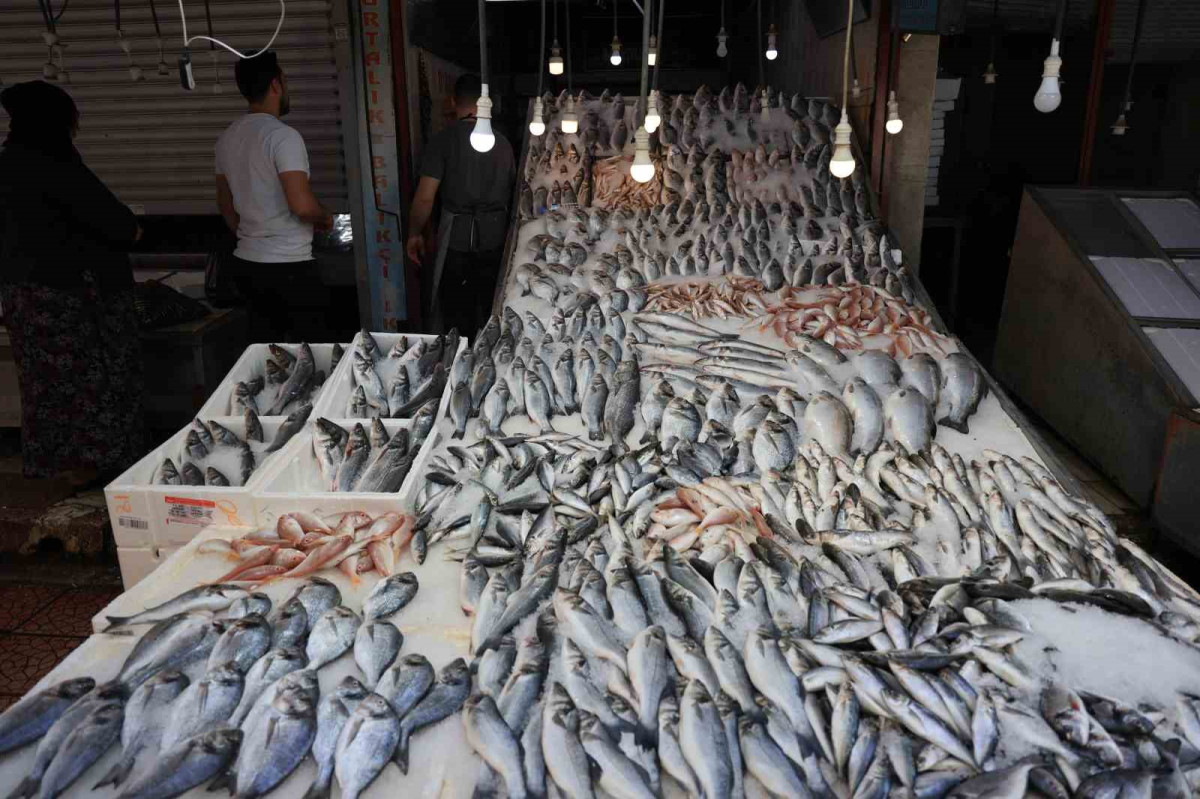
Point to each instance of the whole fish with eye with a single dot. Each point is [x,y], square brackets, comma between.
[298,383]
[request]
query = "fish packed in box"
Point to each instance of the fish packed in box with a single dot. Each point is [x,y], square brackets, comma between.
[374,461]
[288,380]
[212,454]
[396,384]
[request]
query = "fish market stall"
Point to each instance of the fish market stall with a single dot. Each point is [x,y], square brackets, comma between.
[710,507]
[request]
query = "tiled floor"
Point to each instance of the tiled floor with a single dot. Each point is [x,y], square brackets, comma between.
[39,626]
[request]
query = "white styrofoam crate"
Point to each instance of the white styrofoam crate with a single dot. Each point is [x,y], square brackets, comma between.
[335,400]
[251,365]
[136,564]
[294,481]
[146,515]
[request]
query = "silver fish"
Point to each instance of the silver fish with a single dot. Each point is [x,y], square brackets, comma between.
[909,420]
[206,597]
[702,739]
[405,683]
[263,675]
[243,643]
[144,721]
[28,719]
[83,746]
[867,411]
[204,705]
[963,388]
[493,740]
[332,713]
[331,636]
[368,739]
[444,699]
[191,763]
[376,645]
[390,595]
[273,748]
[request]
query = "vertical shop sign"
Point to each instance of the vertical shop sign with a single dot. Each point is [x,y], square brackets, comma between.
[381,196]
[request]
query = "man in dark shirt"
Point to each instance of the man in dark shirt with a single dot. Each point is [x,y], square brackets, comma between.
[476,189]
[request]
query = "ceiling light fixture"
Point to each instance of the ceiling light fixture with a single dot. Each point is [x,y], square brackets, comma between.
[722,36]
[1049,95]
[894,123]
[772,43]
[614,57]
[482,138]
[537,126]
[841,165]
[1121,125]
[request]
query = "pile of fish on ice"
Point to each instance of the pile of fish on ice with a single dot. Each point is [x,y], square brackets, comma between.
[397,384]
[214,455]
[288,380]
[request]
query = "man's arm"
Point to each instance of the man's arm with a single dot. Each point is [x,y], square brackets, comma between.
[302,202]
[418,217]
[225,203]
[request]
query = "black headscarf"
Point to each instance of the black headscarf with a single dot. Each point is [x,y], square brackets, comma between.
[41,117]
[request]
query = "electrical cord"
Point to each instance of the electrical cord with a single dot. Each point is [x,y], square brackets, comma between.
[542,51]
[659,39]
[188,40]
[846,57]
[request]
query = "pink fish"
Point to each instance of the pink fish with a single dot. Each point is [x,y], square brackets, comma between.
[262,574]
[401,536]
[365,562]
[318,558]
[251,558]
[291,558]
[311,541]
[288,528]
[382,556]
[309,522]
[352,521]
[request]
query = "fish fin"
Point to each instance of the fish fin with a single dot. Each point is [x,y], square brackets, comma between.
[646,737]
[319,789]
[959,426]
[226,780]
[458,434]
[26,788]
[117,621]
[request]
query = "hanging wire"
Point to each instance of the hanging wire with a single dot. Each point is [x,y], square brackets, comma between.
[761,69]
[483,63]
[614,5]
[1058,22]
[995,31]
[641,106]
[208,18]
[1137,35]
[658,60]
[846,57]
[188,40]
[542,52]
[567,10]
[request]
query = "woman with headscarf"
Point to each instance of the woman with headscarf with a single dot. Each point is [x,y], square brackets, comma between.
[67,292]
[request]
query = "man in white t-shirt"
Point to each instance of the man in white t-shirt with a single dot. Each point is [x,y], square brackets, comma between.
[264,195]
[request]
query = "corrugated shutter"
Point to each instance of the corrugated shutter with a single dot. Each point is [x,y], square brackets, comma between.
[151,141]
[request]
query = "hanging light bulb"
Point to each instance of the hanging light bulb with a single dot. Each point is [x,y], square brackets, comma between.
[894,123]
[642,169]
[1048,96]
[841,165]
[615,57]
[989,74]
[556,62]
[652,120]
[536,126]
[652,52]
[1120,126]
[766,106]
[570,120]
[482,138]
[722,37]
[855,90]
[772,43]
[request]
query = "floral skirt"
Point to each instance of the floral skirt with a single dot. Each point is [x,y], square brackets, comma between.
[79,364]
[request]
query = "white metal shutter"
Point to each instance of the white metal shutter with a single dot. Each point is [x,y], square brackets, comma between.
[152,141]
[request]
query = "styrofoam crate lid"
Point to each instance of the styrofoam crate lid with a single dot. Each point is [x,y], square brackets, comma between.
[335,400]
[252,364]
[1149,287]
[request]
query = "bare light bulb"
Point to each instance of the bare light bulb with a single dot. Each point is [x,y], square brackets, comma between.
[1120,126]
[642,169]
[894,123]
[615,58]
[841,165]
[536,125]
[1048,96]
[989,74]
[855,90]
[556,59]
[652,52]
[772,43]
[722,37]
[570,120]
[652,120]
[482,138]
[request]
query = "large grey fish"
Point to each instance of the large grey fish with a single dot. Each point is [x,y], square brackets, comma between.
[522,602]
[369,381]
[243,643]
[680,422]
[867,411]
[375,647]
[297,383]
[273,748]
[828,421]
[303,682]
[444,699]
[702,738]
[331,636]
[564,381]
[406,682]
[963,387]
[368,739]
[595,400]
[538,405]
[767,762]
[334,710]
[495,407]
[773,447]
[619,774]
[652,408]
[386,470]
[144,721]
[622,402]
[920,370]
[170,644]
[316,595]
[390,595]
[205,597]
[493,740]
[205,704]
[189,764]
[516,700]
[289,624]
[28,719]
[909,420]
[650,673]
[593,633]
[83,746]
[358,451]
[482,380]
[263,674]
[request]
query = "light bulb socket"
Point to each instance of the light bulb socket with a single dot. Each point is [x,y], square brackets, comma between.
[652,51]
[722,49]
[615,55]
[1052,64]
[569,123]
[855,90]
[482,137]
[772,43]
[49,38]
[556,59]
[989,74]
[841,165]
[1120,126]
[536,124]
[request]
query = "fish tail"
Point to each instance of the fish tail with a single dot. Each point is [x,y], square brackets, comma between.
[401,756]
[117,621]
[458,434]
[26,788]
[955,425]
[117,774]
[226,780]
[319,789]
[646,737]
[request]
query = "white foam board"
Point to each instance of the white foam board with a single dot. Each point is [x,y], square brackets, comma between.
[1149,287]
